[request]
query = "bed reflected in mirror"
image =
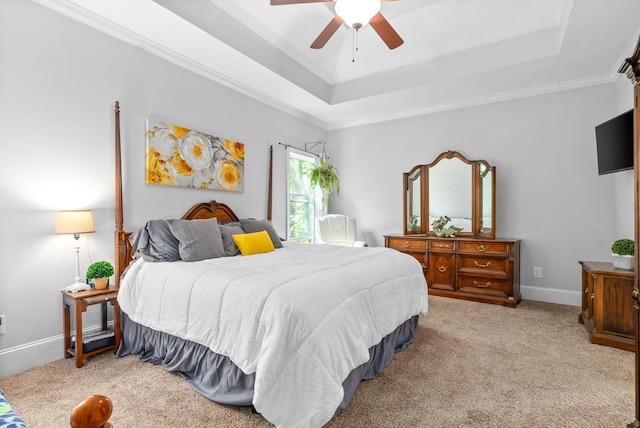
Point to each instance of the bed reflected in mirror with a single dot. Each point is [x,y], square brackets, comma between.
[452,186]
[450,193]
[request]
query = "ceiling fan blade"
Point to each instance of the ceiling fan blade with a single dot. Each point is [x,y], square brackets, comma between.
[280,2]
[386,31]
[326,34]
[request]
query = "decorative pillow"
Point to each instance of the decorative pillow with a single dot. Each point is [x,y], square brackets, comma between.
[254,243]
[227,231]
[199,239]
[250,225]
[155,242]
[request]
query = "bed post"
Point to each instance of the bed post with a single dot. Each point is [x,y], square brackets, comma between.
[120,237]
[631,67]
[269,194]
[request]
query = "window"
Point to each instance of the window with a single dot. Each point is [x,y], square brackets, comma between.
[304,203]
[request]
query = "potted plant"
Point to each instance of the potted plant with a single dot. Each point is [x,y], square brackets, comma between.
[100,273]
[325,176]
[623,254]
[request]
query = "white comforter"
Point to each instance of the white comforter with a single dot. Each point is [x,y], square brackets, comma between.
[301,318]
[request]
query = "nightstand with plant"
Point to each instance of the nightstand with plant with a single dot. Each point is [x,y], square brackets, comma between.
[84,344]
[607,305]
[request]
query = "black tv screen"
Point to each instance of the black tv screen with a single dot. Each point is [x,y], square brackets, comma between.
[614,139]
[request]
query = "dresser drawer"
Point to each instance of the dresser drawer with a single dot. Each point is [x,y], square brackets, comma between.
[404,244]
[483,247]
[441,271]
[493,286]
[441,245]
[484,263]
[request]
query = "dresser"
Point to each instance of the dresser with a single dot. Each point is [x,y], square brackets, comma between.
[482,270]
[607,305]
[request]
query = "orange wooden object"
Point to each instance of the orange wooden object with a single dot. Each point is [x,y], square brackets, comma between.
[93,412]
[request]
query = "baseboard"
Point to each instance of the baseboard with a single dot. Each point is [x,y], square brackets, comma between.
[551,295]
[23,357]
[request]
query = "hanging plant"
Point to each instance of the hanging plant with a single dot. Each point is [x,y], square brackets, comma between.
[325,176]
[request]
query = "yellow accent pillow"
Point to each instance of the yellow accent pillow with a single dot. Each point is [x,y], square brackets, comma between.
[254,243]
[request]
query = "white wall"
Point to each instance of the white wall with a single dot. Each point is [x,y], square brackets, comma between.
[549,193]
[58,83]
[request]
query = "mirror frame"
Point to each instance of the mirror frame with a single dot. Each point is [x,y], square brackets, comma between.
[480,169]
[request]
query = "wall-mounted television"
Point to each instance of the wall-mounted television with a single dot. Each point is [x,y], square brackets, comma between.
[614,139]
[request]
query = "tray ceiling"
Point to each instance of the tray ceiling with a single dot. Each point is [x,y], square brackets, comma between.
[456,53]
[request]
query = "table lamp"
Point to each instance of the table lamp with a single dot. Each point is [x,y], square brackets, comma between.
[75,222]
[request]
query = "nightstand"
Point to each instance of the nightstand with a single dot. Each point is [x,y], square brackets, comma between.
[607,305]
[80,301]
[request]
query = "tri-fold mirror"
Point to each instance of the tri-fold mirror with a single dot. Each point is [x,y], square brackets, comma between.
[453,186]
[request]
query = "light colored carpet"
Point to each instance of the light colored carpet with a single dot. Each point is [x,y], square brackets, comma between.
[472,364]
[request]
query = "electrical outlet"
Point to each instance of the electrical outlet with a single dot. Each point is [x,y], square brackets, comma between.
[3,324]
[537,272]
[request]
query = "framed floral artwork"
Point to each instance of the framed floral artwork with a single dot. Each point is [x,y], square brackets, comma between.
[178,156]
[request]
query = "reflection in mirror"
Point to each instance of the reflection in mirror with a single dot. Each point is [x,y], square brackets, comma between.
[450,193]
[413,201]
[452,185]
[487,204]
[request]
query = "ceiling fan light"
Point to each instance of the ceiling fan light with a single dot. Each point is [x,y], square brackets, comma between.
[357,11]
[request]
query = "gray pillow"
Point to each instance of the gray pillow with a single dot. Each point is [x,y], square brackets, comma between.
[199,239]
[250,225]
[155,242]
[227,231]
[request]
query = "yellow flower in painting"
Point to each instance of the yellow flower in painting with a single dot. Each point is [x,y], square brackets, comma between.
[235,149]
[181,166]
[196,150]
[228,175]
[158,171]
[177,132]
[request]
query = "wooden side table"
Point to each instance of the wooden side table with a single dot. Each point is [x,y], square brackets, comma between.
[80,301]
[607,306]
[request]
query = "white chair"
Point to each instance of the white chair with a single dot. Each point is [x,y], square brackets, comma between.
[338,229]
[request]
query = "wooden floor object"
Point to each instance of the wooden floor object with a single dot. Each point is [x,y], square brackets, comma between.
[93,412]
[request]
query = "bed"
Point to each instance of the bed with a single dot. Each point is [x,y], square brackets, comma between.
[290,330]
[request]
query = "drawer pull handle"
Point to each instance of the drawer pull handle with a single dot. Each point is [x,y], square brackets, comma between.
[442,269]
[441,245]
[482,266]
[477,284]
[407,244]
[635,294]
[586,291]
[482,248]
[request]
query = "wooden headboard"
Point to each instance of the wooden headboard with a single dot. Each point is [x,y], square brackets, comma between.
[203,210]
[211,209]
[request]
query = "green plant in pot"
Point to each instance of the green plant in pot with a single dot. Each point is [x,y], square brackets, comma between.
[325,176]
[623,254]
[100,273]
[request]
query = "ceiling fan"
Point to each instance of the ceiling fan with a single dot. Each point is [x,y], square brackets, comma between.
[356,14]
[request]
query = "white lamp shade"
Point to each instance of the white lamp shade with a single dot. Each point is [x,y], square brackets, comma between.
[357,11]
[74,222]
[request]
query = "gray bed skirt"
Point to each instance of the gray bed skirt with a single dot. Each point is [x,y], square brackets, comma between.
[216,377]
